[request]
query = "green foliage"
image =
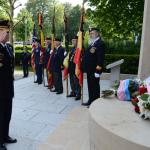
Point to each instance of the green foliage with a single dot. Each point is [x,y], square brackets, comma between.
[117,19]
[25,23]
[144,97]
[86,40]
[130,65]
[122,47]
[20,48]
[47,8]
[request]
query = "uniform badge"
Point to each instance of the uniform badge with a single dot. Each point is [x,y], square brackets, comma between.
[92,50]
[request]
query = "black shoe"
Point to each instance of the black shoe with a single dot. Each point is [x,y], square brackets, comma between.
[77,98]
[35,81]
[60,92]
[10,140]
[39,83]
[3,147]
[54,90]
[71,95]
[86,104]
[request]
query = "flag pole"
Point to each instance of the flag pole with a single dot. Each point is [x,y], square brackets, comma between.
[50,75]
[40,23]
[32,56]
[81,28]
[66,44]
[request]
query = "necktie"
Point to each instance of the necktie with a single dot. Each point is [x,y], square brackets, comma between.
[8,50]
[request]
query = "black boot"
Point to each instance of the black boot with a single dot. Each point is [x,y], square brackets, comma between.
[10,140]
[3,147]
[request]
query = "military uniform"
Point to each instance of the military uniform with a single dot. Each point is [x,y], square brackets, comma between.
[46,58]
[74,82]
[6,88]
[92,63]
[56,68]
[38,63]
[47,55]
[25,63]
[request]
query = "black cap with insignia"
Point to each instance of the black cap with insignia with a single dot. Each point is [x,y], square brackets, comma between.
[58,39]
[93,29]
[75,37]
[35,39]
[4,23]
[48,38]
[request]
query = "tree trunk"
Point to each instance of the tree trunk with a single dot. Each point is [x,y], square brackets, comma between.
[11,23]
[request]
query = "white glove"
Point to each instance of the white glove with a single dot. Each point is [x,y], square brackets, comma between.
[51,52]
[97,75]
[41,53]
[65,53]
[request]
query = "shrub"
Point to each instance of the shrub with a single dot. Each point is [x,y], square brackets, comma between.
[130,65]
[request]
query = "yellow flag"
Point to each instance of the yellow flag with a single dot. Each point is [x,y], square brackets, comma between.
[42,39]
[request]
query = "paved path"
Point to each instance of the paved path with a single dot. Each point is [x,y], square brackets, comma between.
[37,113]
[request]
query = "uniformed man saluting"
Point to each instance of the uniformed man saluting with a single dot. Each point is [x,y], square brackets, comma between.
[92,64]
[6,84]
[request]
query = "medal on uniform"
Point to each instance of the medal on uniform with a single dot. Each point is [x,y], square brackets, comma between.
[92,50]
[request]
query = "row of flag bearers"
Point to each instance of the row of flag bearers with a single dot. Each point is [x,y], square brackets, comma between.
[54,61]
[57,61]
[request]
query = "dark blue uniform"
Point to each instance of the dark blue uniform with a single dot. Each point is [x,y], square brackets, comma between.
[25,63]
[92,62]
[74,82]
[38,64]
[56,68]
[47,55]
[6,89]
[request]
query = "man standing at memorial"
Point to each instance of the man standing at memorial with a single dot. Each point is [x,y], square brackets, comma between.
[6,84]
[92,64]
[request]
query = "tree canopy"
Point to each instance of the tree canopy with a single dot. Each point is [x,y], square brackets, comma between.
[121,19]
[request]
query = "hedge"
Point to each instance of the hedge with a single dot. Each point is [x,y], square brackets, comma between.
[130,65]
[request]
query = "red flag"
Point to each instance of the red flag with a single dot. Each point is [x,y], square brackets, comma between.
[50,77]
[77,58]
[79,50]
[66,61]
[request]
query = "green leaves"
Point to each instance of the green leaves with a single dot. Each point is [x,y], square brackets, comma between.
[118,18]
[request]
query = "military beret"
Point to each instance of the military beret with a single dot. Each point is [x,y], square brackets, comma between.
[58,39]
[48,38]
[4,24]
[35,39]
[93,29]
[75,37]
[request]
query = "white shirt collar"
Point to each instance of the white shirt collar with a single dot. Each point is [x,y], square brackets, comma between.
[58,46]
[95,41]
[3,44]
